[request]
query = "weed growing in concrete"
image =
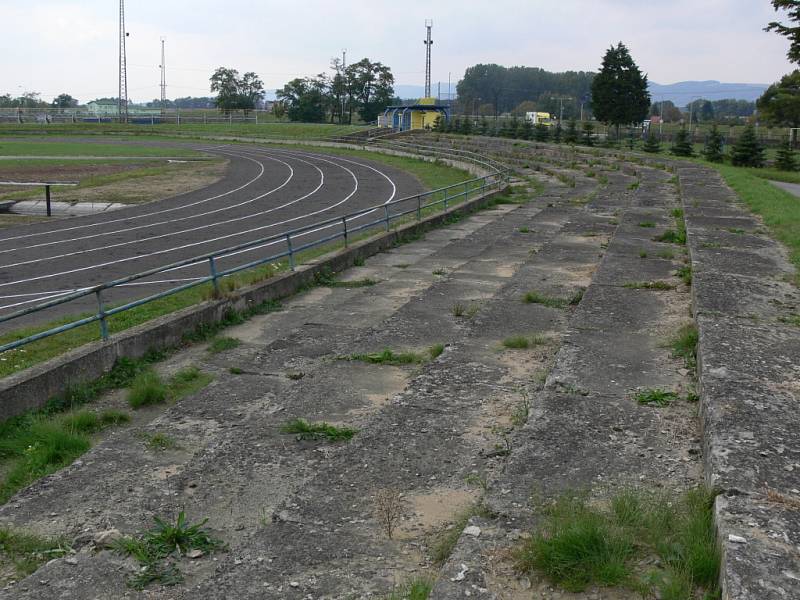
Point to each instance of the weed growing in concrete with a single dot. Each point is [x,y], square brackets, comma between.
[522,411]
[359,261]
[549,301]
[736,230]
[25,552]
[91,422]
[477,480]
[318,431]
[521,342]
[650,285]
[684,345]
[355,283]
[656,397]
[295,375]
[159,441]
[517,342]
[416,589]
[388,509]
[235,371]
[524,230]
[634,185]
[666,254]
[579,545]
[671,236]
[221,344]
[146,389]
[388,357]
[642,254]
[791,320]
[155,548]
[435,351]
[439,271]
[685,274]
[647,224]
[458,309]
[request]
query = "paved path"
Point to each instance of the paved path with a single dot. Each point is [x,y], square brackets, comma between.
[793,188]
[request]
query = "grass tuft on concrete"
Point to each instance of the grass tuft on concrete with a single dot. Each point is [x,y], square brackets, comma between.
[661,286]
[551,301]
[222,344]
[23,552]
[684,345]
[148,387]
[390,357]
[416,589]
[579,544]
[318,431]
[656,397]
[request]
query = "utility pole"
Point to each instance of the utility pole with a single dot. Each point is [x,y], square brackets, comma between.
[122,100]
[561,107]
[448,88]
[163,67]
[439,92]
[428,43]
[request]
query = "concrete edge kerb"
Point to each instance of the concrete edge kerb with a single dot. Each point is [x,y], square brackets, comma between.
[32,388]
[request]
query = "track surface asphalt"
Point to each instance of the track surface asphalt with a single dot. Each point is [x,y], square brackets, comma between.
[266,191]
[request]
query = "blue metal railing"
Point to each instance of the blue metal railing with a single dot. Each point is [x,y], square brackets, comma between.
[343,228]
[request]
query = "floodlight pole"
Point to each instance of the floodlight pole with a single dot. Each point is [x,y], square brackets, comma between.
[163,66]
[428,43]
[122,99]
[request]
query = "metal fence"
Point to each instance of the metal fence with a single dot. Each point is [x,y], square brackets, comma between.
[286,245]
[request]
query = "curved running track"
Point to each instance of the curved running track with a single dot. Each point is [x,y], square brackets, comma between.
[266,191]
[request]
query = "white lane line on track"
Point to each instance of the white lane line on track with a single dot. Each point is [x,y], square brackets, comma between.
[184,246]
[167,222]
[157,212]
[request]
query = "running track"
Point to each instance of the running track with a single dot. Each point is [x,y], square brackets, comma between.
[266,191]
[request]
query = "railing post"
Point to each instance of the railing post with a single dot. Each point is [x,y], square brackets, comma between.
[213,267]
[445,199]
[291,251]
[102,314]
[466,191]
[47,200]
[419,207]
[386,212]
[344,224]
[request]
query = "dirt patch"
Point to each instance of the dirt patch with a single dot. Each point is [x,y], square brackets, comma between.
[434,509]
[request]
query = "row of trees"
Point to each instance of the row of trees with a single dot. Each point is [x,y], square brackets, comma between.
[364,87]
[34,100]
[491,89]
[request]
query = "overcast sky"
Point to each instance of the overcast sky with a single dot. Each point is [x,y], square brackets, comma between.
[71,45]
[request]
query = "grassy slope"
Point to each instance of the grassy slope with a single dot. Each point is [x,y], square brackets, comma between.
[431,174]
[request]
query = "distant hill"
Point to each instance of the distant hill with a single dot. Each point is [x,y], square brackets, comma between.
[683,92]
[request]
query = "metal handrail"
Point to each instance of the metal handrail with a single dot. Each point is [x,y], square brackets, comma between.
[494,180]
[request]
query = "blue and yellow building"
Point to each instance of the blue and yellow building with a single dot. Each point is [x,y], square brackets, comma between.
[421,115]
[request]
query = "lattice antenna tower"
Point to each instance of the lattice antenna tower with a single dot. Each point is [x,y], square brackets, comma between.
[122,102]
[428,43]
[163,67]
